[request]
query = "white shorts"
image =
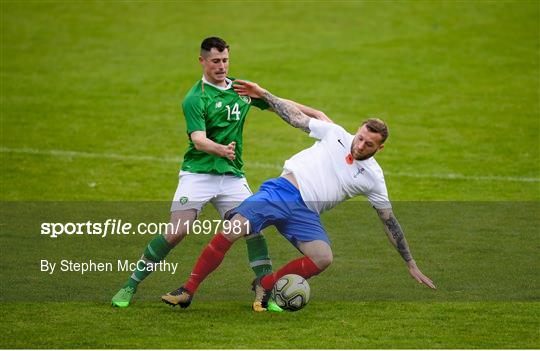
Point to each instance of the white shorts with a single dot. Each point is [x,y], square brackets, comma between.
[195,190]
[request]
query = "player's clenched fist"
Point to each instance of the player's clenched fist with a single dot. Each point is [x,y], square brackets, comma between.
[228,151]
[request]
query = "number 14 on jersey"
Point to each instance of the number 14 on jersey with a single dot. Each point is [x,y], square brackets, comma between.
[234,111]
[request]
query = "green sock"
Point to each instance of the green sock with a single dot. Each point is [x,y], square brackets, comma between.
[155,251]
[259,259]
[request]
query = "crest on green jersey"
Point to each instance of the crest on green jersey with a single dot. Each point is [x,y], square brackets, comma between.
[183,200]
[246,99]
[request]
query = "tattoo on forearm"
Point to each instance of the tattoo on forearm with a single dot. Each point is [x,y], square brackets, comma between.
[393,229]
[287,111]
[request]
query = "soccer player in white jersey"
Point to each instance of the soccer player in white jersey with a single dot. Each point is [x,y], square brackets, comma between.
[337,167]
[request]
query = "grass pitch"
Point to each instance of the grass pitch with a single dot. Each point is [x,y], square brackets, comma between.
[90,112]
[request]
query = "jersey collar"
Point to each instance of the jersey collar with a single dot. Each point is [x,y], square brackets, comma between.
[227,80]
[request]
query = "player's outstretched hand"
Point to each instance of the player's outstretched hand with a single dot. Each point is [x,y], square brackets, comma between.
[228,151]
[248,88]
[418,275]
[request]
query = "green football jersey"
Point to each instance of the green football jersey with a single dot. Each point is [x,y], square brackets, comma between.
[221,113]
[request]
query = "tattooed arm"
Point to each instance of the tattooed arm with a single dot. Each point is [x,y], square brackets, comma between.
[287,111]
[394,232]
[397,238]
[310,111]
[284,108]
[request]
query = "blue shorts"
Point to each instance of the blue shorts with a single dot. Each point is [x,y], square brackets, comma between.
[279,203]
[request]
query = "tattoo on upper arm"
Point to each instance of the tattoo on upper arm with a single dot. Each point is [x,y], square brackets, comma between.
[394,230]
[287,111]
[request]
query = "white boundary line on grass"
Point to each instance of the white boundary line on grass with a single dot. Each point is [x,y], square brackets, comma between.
[260,165]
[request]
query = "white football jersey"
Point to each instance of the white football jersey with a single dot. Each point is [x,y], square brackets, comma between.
[327,174]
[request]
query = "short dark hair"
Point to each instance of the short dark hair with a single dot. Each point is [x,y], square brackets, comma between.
[213,42]
[375,125]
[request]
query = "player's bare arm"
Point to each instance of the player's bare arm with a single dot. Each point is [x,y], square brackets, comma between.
[395,233]
[286,110]
[397,238]
[310,111]
[202,143]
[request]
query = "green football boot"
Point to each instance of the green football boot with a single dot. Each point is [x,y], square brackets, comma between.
[263,301]
[123,297]
[273,307]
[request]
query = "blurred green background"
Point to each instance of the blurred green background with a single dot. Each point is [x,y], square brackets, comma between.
[457,83]
[90,111]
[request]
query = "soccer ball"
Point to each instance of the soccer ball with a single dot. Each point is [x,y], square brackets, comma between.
[291,292]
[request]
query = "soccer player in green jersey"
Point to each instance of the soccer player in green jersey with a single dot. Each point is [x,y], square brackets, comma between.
[212,168]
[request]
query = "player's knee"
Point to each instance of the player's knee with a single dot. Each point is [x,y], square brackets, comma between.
[179,225]
[324,260]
